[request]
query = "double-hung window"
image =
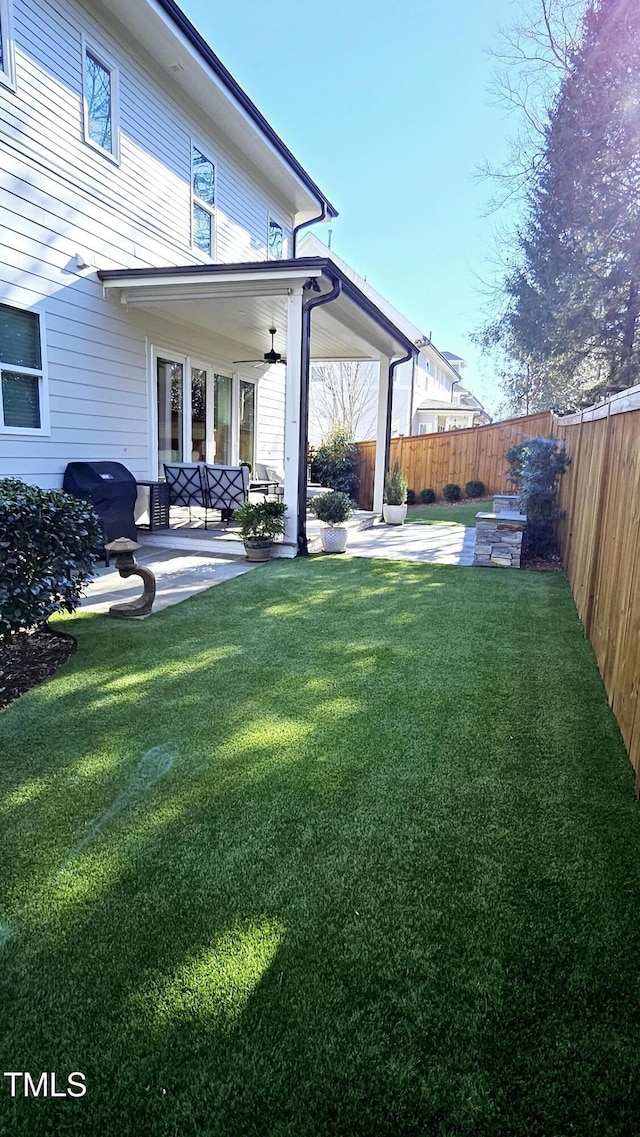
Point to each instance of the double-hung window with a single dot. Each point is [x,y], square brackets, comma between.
[22,379]
[7,59]
[100,88]
[203,192]
[275,246]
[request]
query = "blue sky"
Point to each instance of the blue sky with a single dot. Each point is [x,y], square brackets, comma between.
[386,106]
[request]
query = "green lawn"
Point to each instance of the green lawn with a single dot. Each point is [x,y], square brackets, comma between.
[463,513]
[339,847]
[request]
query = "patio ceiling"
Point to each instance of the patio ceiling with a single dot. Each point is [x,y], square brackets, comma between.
[238,303]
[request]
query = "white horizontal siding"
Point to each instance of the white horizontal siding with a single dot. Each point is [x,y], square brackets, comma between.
[59,197]
[271,407]
[150,190]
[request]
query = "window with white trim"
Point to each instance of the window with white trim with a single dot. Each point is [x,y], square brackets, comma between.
[203,193]
[276,241]
[7,59]
[21,371]
[100,90]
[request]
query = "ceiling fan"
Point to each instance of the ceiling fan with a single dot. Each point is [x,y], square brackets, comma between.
[269,357]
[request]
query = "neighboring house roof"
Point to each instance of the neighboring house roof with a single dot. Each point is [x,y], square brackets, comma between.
[138,18]
[452,357]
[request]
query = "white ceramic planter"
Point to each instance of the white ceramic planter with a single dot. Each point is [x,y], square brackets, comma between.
[334,538]
[394,514]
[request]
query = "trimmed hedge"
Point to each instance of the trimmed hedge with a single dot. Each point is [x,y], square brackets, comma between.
[428,496]
[46,558]
[411,497]
[475,488]
[451,492]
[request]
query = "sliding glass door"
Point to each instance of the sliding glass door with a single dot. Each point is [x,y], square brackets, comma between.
[247,417]
[202,415]
[170,381]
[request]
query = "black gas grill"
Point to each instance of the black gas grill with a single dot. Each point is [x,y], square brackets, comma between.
[112,491]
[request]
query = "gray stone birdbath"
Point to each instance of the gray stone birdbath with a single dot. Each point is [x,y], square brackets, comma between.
[126,565]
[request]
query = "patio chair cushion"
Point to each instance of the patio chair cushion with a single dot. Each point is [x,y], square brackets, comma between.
[225,487]
[185,483]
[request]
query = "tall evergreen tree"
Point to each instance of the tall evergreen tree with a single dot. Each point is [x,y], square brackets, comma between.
[573,301]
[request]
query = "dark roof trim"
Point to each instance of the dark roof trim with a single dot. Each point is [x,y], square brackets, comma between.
[301,265]
[211,59]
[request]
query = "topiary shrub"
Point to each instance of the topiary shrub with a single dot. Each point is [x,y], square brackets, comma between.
[534,469]
[475,488]
[336,462]
[46,558]
[334,508]
[411,497]
[451,492]
[395,486]
[427,496]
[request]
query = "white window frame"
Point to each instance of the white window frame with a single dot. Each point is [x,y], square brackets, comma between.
[8,69]
[195,144]
[43,382]
[271,220]
[106,61]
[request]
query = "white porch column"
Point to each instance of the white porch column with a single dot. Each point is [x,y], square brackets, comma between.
[381,430]
[292,420]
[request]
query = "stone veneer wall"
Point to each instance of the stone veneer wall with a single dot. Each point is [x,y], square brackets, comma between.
[502,501]
[499,539]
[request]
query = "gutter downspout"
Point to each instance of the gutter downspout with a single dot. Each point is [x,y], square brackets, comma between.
[303,225]
[387,440]
[307,308]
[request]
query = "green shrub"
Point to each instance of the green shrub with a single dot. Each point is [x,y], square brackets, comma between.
[427,496]
[46,558]
[261,520]
[411,497]
[395,486]
[334,507]
[336,462]
[534,469]
[475,488]
[451,492]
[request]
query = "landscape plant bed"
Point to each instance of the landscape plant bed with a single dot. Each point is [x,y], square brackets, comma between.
[28,659]
[266,871]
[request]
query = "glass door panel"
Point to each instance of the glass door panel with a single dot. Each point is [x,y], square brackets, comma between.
[247,421]
[170,412]
[199,415]
[222,391]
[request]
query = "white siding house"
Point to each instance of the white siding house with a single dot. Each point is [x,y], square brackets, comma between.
[128,151]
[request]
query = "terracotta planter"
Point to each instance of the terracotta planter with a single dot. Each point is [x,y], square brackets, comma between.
[394,514]
[257,550]
[334,538]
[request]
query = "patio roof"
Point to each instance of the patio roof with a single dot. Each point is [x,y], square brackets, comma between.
[250,296]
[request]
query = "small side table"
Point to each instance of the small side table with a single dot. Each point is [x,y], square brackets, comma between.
[158,504]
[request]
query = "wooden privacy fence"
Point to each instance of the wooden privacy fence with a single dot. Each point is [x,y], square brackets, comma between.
[600,543]
[432,460]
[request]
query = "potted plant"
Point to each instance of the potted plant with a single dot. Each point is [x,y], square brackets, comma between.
[394,509]
[334,508]
[260,523]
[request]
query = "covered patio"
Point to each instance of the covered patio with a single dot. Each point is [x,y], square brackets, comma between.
[230,399]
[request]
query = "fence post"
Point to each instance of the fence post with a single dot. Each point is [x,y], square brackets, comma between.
[597,529]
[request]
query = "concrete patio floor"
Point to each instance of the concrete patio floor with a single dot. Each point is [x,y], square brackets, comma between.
[432,544]
[179,574]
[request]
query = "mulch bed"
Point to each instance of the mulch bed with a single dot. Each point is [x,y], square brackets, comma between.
[550,563]
[29,658]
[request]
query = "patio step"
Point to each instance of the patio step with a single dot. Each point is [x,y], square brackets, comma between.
[229,545]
